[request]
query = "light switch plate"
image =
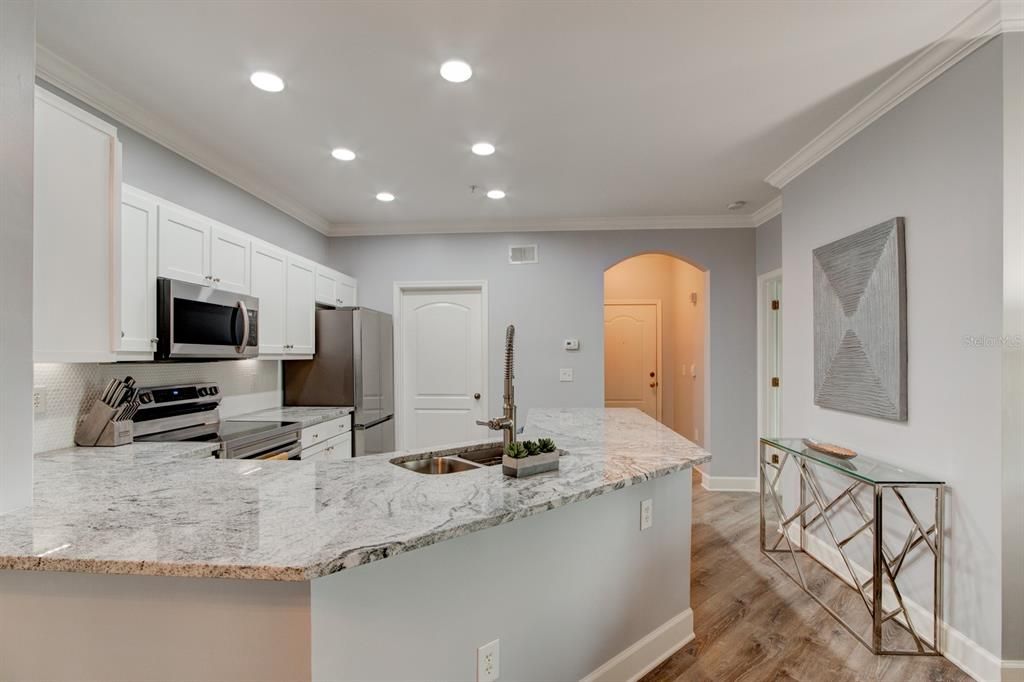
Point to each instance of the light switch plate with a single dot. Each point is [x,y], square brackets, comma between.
[565,374]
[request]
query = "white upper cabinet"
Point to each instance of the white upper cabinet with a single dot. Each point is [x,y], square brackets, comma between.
[77,180]
[347,291]
[269,283]
[136,285]
[184,246]
[300,307]
[99,248]
[230,259]
[327,282]
[334,288]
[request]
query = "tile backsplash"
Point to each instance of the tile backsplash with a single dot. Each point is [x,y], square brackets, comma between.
[246,385]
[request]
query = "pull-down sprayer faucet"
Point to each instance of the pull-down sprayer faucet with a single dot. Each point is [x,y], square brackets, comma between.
[507,422]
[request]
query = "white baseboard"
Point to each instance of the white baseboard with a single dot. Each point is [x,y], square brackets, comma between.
[646,654]
[734,484]
[1013,671]
[956,647]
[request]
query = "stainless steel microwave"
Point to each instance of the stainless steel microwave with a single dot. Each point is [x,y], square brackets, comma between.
[197,322]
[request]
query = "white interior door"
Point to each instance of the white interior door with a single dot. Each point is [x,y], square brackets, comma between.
[443,343]
[631,356]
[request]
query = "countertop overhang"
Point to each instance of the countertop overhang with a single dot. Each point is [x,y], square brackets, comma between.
[275,520]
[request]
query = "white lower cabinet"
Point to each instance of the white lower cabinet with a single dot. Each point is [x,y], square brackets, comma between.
[337,448]
[328,440]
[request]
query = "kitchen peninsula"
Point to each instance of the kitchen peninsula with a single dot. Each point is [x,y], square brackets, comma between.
[272,570]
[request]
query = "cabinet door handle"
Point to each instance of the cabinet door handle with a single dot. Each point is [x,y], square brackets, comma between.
[216,279]
[154,341]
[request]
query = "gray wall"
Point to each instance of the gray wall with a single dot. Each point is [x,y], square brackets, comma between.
[562,297]
[937,160]
[156,169]
[769,245]
[17,68]
[603,585]
[1013,352]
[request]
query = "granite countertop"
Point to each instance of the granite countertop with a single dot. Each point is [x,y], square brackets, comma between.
[132,453]
[280,520]
[308,416]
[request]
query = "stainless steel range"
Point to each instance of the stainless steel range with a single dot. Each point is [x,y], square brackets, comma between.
[190,412]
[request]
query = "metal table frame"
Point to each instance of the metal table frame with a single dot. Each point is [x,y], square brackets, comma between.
[886,565]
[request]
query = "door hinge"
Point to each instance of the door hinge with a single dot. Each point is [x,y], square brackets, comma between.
[775,304]
[775,382]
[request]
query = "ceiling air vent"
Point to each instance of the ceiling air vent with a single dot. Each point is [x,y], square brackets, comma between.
[522,255]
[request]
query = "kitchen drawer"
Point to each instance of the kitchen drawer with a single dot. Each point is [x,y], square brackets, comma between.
[324,431]
[314,452]
[339,447]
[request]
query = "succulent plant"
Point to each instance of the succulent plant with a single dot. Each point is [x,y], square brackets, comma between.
[546,445]
[532,447]
[515,450]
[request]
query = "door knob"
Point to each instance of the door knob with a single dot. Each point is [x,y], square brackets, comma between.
[476,396]
[654,384]
[652,375]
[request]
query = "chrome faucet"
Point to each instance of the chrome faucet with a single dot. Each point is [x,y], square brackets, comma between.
[506,423]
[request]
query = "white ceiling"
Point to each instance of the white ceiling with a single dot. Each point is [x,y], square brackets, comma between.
[598,109]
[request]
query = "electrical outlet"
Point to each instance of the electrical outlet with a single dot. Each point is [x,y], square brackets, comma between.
[487,663]
[39,399]
[565,374]
[646,514]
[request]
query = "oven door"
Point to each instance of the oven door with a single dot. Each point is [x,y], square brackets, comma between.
[202,323]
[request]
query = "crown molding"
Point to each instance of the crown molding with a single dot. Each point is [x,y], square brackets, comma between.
[683,222]
[989,20]
[767,212]
[59,72]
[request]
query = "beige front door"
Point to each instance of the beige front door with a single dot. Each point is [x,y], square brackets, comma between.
[631,356]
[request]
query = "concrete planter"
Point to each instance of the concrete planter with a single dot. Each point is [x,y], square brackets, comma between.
[528,466]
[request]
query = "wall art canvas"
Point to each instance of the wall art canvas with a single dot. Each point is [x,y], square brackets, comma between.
[860,323]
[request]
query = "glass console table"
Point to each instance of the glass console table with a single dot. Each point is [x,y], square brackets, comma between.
[833,515]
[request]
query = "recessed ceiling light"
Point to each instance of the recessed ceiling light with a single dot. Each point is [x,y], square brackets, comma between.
[483,148]
[385,196]
[264,80]
[342,154]
[495,194]
[737,205]
[456,71]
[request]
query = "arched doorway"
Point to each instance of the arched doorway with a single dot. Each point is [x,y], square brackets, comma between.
[655,340]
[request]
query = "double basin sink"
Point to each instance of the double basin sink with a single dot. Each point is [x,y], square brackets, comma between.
[486,456]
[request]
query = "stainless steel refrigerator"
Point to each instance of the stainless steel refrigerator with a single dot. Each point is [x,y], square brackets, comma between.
[353,366]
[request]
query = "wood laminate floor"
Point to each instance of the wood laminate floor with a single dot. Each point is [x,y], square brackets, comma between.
[754,623]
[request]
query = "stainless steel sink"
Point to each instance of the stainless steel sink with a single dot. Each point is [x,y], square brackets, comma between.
[486,456]
[437,465]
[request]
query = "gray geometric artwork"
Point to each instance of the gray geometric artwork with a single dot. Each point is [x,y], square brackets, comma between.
[860,323]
